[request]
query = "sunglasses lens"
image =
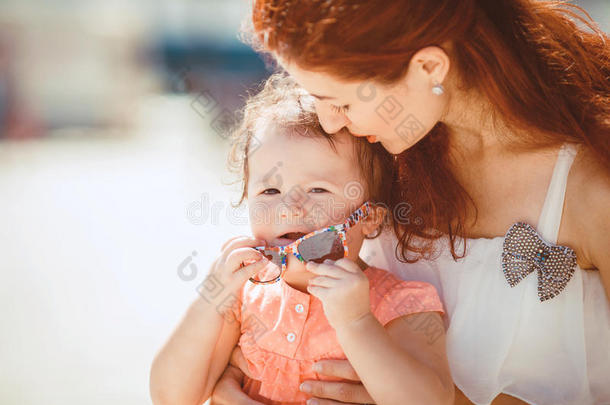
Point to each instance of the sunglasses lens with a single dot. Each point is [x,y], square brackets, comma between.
[325,245]
[272,270]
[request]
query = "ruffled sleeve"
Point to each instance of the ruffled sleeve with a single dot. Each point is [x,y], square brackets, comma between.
[396,298]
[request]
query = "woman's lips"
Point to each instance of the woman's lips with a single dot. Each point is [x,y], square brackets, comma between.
[371,138]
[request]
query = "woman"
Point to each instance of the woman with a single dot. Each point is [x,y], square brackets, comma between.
[488,107]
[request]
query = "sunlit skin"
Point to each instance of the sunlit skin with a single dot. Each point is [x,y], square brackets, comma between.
[295,184]
[400,114]
[285,188]
[397,115]
[479,147]
[377,111]
[479,151]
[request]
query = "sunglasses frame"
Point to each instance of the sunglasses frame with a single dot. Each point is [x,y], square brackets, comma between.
[292,248]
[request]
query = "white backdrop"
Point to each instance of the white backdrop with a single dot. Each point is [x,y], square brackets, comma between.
[92,233]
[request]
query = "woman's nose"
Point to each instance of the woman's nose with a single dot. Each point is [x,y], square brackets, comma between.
[330,120]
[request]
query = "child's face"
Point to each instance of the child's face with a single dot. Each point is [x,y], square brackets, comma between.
[299,184]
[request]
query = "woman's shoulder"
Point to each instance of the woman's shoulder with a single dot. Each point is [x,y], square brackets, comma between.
[588,166]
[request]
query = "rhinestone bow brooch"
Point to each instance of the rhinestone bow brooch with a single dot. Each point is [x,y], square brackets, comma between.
[525,251]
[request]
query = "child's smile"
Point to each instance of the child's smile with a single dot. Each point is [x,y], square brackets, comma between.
[299,184]
[307,188]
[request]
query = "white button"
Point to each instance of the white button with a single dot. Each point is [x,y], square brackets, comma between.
[299,308]
[291,336]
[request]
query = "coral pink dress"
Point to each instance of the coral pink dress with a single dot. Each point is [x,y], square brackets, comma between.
[284,331]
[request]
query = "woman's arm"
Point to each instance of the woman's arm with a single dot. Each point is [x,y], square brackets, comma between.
[405,362]
[187,367]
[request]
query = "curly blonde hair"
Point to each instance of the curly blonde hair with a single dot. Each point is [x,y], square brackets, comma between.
[291,109]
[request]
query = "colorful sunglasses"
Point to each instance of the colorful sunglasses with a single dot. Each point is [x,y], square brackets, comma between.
[327,243]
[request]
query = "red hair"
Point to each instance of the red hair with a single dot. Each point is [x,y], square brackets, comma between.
[540,64]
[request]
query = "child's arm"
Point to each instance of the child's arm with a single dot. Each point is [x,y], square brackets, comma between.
[403,363]
[222,354]
[186,368]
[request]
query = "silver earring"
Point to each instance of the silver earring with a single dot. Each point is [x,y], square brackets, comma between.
[374,235]
[438,88]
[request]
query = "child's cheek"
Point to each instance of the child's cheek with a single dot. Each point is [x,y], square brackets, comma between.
[261,218]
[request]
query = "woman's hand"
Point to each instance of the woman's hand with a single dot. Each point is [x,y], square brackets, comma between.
[332,393]
[325,392]
[228,391]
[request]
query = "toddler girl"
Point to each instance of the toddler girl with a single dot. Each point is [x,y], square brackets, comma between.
[297,291]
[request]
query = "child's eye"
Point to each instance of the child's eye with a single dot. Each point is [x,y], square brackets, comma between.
[340,110]
[271,191]
[318,190]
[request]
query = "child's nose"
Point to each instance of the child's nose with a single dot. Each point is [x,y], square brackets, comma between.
[331,121]
[291,210]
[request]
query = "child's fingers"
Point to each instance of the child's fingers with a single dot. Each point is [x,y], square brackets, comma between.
[241,241]
[323,281]
[244,273]
[348,265]
[320,293]
[324,269]
[245,256]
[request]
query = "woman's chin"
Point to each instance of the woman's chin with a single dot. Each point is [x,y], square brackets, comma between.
[393,148]
[396,148]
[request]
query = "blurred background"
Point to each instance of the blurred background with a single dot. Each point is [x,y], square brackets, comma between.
[113,119]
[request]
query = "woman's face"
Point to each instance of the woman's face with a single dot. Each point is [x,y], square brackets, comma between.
[397,115]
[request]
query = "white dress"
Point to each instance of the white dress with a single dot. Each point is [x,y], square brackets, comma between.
[505,340]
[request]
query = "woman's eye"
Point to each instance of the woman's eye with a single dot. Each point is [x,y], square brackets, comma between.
[271,191]
[318,190]
[340,110]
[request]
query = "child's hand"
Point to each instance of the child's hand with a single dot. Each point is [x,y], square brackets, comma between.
[343,289]
[229,271]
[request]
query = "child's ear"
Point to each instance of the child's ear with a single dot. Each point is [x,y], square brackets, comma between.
[374,220]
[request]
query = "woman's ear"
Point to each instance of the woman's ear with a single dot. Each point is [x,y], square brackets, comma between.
[428,66]
[374,220]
